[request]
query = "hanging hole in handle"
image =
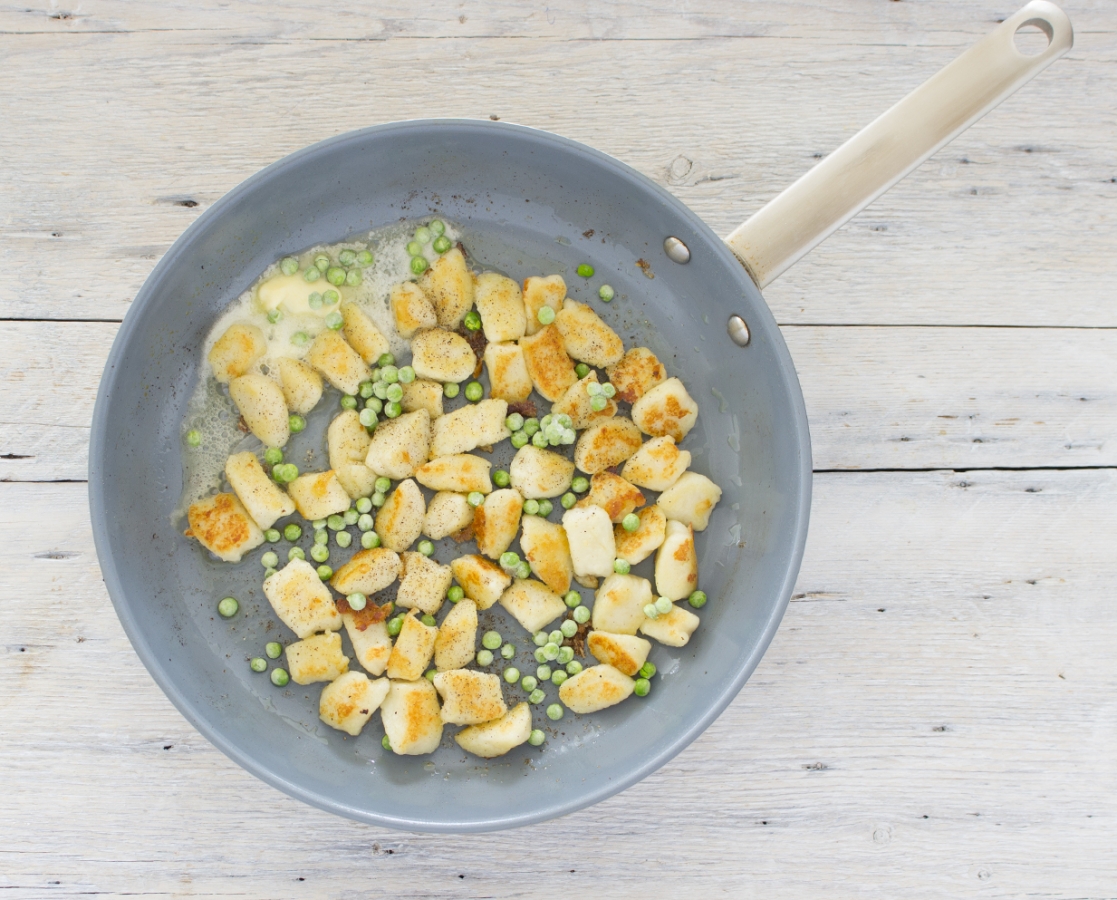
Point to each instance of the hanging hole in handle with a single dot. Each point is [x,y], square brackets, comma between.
[1033,37]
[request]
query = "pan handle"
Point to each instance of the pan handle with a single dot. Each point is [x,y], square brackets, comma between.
[879,155]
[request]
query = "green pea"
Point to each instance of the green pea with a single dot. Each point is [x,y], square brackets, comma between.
[581,370]
[585,270]
[392,409]
[273,456]
[292,532]
[531,426]
[543,672]
[330,297]
[539,638]
[269,560]
[622,566]
[545,507]
[442,244]
[380,390]
[319,524]
[555,712]
[539,657]
[484,657]
[568,500]
[641,687]
[522,570]
[511,674]
[566,654]
[314,300]
[474,391]
[364,520]
[273,649]
[367,417]
[335,275]
[343,539]
[321,262]
[650,611]
[275,315]
[519,439]
[429,674]
[348,401]
[406,374]
[325,572]
[394,625]
[582,615]
[663,605]
[558,677]
[382,484]
[450,390]
[598,403]
[385,743]
[501,478]
[569,628]
[631,522]
[545,422]
[353,277]
[697,599]
[289,265]
[555,637]
[508,560]
[385,360]
[531,507]
[573,667]
[491,640]
[529,683]
[378,499]
[312,274]
[427,620]
[475,499]
[394,394]
[423,234]
[580,485]
[608,390]
[364,258]
[546,315]
[279,677]
[647,670]
[419,265]
[414,248]
[321,536]
[320,552]
[272,535]
[389,374]
[426,548]
[572,599]
[514,422]
[347,257]
[539,439]
[606,293]
[455,594]
[296,423]
[335,522]
[550,651]
[364,505]
[437,227]
[296,553]
[370,540]
[536,697]
[508,651]
[228,607]
[536,738]
[473,320]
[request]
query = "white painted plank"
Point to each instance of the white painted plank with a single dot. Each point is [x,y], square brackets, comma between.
[909,398]
[957,743]
[1012,224]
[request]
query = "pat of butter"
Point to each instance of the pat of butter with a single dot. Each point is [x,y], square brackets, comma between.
[292,293]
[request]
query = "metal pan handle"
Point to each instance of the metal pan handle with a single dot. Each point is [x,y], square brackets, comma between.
[878,156]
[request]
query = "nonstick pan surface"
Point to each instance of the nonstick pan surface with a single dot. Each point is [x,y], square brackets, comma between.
[529,203]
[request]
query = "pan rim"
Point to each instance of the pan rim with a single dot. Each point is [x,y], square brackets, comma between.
[196,713]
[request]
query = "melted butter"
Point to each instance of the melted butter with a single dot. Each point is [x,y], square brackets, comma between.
[213,413]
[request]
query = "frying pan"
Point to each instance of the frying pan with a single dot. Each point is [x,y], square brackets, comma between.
[529,203]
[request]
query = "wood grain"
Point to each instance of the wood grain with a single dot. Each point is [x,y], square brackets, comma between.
[934,717]
[877,398]
[1011,224]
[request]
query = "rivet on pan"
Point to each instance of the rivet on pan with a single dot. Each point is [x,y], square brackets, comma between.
[676,250]
[738,331]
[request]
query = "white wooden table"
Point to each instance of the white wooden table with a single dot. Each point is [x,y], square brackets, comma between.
[938,713]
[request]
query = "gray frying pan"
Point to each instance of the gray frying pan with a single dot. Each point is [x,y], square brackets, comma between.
[529,203]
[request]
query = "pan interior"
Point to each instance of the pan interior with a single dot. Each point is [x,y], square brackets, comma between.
[528,203]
